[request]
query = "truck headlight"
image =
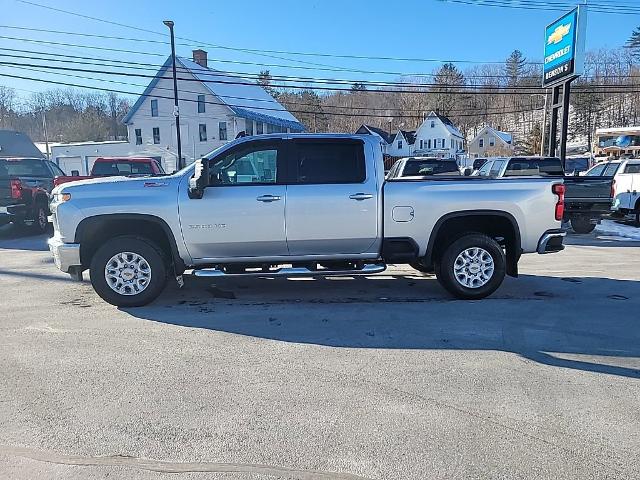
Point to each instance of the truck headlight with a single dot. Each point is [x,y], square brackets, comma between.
[61,197]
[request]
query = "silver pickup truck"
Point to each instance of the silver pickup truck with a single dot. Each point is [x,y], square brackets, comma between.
[302,204]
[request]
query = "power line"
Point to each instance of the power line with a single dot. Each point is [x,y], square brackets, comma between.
[297,104]
[236,79]
[20,77]
[548,6]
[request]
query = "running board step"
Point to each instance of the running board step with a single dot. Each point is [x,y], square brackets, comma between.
[367,269]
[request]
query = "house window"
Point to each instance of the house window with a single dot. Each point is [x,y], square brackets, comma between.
[202,128]
[248,126]
[154,108]
[399,144]
[201,107]
[429,143]
[420,144]
[433,124]
[156,135]
[259,128]
[222,128]
[138,136]
[481,143]
[452,143]
[492,141]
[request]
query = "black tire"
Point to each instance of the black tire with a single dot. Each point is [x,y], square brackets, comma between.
[446,274]
[140,246]
[40,222]
[582,225]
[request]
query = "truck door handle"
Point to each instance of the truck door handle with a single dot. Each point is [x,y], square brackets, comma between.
[268,198]
[360,196]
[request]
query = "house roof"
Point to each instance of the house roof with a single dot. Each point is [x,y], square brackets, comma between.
[504,136]
[453,130]
[409,136]
[245,99]
[375,131]
[17,144]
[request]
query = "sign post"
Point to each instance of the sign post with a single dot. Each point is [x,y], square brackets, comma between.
[563,63]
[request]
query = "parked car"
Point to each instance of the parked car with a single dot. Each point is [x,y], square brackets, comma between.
[626,185]
[25,185]
[587,198]
[320,203]
[116,166]
[422,166]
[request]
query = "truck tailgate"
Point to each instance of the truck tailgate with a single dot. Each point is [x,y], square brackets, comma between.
[592,188]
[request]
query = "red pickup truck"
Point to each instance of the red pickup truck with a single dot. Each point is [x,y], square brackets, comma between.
[117,166]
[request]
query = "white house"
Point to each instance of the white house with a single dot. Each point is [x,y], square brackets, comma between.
[385,138]
[439,137]
[491,142]
[214,107]
[402,144]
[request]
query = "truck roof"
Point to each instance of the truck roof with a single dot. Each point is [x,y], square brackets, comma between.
[124,159]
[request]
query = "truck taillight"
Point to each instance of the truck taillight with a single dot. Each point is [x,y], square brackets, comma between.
[16,189]
[613,189]
[559,189]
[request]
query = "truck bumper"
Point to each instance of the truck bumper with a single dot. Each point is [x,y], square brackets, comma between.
[12,214]
[551,241]
[65,255]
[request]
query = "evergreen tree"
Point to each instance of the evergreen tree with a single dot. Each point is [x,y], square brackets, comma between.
[633,43]
[531,145]
[515,67]
[448,80]
[264,80]
[358,87]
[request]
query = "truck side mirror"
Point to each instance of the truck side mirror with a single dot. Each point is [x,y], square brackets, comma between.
[75,173]
[200,179]
[468,171]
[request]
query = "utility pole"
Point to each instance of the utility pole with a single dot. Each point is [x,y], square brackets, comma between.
[46,136]
[176,108]
[544,125]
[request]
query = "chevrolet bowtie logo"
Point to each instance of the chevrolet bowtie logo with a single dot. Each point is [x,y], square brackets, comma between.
[558,34]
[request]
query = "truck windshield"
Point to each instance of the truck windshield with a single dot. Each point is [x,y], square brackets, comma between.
[122,168]
[429,167]
[23,167]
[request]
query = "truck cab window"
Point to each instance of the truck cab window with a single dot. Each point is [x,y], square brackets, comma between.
[254,166]
[339,162]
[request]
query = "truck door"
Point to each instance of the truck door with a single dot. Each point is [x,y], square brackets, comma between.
[242,214]
[332,198]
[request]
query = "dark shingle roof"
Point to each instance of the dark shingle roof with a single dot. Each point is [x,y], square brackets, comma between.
[410,137]
[368,129]
[17,144]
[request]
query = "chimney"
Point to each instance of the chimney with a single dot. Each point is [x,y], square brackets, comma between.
[200,57]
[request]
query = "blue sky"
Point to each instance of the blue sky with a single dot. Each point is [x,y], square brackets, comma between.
[420,29]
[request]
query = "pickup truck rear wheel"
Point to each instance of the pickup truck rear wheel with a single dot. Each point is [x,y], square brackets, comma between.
[128,272]
[582,225]
[472,267]
[40,222]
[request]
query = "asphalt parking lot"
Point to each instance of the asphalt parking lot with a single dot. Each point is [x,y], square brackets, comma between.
[348,378]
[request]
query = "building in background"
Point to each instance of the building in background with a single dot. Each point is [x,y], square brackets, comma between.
[616,142]
[438,137]
[402,144]
[214,108]
[490,142]
[17,144]
[385,137]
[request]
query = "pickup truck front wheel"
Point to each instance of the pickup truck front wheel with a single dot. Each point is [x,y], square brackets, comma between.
[472,267]
[128,272]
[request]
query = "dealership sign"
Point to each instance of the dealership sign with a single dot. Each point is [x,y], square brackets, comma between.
[564,47]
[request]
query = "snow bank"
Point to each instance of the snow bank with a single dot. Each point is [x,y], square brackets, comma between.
[625,232]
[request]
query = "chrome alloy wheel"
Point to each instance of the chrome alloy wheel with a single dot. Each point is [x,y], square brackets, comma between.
[127,273]
[473,267]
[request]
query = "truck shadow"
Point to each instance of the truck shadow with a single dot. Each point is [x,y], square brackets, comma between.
[577,323]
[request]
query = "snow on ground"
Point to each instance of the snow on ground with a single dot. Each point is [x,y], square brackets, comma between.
[614,229]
